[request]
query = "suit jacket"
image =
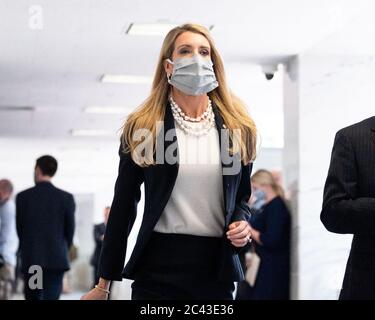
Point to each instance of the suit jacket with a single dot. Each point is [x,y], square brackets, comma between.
[45,226]
[159,181]
[349,204]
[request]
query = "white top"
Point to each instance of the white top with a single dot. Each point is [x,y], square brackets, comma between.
[196,205]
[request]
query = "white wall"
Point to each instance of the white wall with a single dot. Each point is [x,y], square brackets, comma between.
[263,98]
[291,164]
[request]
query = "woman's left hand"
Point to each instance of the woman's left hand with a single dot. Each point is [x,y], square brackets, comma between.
[239,233]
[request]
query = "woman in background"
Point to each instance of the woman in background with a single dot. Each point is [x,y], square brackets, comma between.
[270,229]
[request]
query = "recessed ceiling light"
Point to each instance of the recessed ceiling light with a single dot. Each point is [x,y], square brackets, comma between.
[106,110]
[17,108]
[92,133]
[150,29]
[153,29]
[123,78]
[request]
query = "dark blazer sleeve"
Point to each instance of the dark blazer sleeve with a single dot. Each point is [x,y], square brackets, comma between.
[343,210]
[69,219]
[123,212]
[242,210]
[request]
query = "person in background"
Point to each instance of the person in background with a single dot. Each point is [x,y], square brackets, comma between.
[45,227]
[99,230]
[270,228]
[8,239]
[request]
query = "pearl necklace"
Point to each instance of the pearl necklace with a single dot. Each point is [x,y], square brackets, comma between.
[208,119]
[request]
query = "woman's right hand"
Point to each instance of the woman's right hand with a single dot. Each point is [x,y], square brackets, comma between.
[95,294]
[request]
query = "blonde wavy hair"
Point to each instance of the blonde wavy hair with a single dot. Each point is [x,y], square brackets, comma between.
[233,111]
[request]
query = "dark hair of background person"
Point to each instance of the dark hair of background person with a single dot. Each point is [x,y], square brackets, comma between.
[47,165]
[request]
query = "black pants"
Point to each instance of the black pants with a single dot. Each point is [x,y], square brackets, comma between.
[177,266]
[52,286]
[153,290]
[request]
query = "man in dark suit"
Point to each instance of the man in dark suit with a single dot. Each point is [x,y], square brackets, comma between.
[99,230]
[45,227]
[349,204]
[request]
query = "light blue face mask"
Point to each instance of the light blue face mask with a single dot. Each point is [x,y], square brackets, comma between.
[194,76]
[260,199]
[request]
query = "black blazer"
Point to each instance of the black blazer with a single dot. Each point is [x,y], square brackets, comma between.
[159,181]
[349,204]
[45,226]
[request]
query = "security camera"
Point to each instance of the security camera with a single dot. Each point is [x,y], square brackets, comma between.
[269,71]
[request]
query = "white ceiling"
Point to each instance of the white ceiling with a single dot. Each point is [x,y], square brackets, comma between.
[56,68]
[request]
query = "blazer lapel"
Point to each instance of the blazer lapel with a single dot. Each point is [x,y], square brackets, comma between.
[223,144]
[169,137]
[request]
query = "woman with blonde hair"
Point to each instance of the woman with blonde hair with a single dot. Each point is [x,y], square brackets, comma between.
[192,144]
[270,229]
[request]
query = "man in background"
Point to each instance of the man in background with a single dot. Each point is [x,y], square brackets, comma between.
[45,226]
[8,239]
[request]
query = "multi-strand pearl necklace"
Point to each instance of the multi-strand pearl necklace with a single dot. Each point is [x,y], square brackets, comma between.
[207,119]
